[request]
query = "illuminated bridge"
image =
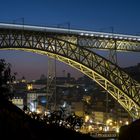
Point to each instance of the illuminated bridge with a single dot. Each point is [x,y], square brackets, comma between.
[75,48]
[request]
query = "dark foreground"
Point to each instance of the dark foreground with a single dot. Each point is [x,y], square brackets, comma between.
[15,124]
[130,132]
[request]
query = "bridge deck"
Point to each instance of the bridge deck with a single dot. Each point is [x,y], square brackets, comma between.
[70,31]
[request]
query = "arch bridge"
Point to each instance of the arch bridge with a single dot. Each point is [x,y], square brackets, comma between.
[75,48]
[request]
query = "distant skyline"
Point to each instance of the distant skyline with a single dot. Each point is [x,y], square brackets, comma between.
[94,15]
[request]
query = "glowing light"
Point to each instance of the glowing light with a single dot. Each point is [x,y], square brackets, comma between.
[62,30]
[120,121]
[120,37]
[100,128]
[89,127]
[29,86]
[91,121]
[109,121]
[106,36]
[117,130]
[86,89]
[106,128]
[111,124]
[86,118]
[126,122]
[64,105]
[38,111]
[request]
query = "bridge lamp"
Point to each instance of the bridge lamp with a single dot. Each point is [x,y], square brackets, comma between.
[116,37]
[129,38]
[134,39]
[101,36]
[106,36]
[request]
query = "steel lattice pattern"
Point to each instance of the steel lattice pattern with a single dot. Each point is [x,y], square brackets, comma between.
[68,50]
[104,43]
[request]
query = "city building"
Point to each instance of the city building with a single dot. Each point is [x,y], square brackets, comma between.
[18,102]
[78,108]
[36,100]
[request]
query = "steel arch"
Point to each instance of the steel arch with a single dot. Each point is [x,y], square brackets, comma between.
[112,78]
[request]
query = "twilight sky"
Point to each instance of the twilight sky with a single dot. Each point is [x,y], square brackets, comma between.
[95,15]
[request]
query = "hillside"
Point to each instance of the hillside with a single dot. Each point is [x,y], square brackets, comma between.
[15,124]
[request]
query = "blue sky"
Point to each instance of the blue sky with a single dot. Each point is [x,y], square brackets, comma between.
[95,15]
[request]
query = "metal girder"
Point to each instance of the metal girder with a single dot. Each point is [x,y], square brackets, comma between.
[111,77]
[106,44]
[51,84]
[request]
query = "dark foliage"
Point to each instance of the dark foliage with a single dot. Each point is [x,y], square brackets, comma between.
[130,132]
[6,79]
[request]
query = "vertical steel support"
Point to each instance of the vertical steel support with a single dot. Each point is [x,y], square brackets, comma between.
[113,53]
[51,84]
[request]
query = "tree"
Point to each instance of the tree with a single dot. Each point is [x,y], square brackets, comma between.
[6,79]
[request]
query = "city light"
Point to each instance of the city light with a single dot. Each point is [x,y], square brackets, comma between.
[29,86]
[126,122]
[86,118]
[117,129]
[109,121]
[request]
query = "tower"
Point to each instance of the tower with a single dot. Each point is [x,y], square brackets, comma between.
[51,84]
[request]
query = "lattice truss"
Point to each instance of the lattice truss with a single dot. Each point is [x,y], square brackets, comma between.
[68,50]
[103,43]
[51,84]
